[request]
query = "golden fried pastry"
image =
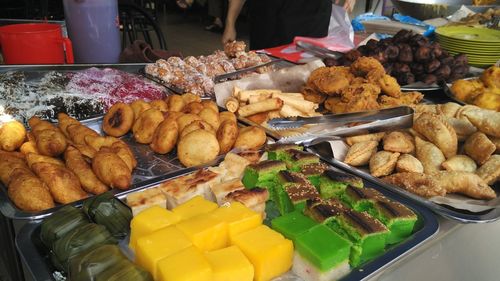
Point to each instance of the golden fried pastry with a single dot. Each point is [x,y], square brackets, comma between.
[211,117]
[420,108]
[354,92]
[197,125]
[479,147]
[188,98]
[32,158]
[406,98]
[63,184]
[383,163]
[64,121]
[12,135]
[363,65]
[139,106]
[187,119]
[389,85]
[165,137]
[335,105]
[429,155]
[78,133]
[175,103]
[496,141]
[448,109]
[76,163]
[125,153]
[408,163]
[438,131]
[193,107]
[161,105]
[250,138]
[227,135]
[466,90]
[118,120]
[28,192]
[310,94]
[97,142]
[465,183]
[460,114]
[368,137]
[463,127]
[8,164]
[37,124]
[210,104]
[491,77]
[490,170]
[486,121]
[359,154]
[86,150]
[172,115]
[226,115]
[197,148]
[145,126]
[330,84]
[487,100]
[399,141]
[111,169]
[460,163]
[49,139]
[29,147]
[417,183]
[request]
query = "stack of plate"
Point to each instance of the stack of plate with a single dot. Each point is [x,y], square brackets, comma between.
[481,45]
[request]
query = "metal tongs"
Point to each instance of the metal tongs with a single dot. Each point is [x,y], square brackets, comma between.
[318,51]
[331,127]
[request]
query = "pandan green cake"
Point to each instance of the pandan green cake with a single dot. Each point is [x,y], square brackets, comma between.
[398,218]
[259,174]
[361,199]
[333,183]
[292,224]
[367,234]
[321,254]
[282,200]
[322,211]
[298,188]
[313,172]
[295,159]
[276,151]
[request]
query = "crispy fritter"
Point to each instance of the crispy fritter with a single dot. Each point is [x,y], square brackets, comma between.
[363,65]
[406,98]
[28,192]
[75,162]
[417,183]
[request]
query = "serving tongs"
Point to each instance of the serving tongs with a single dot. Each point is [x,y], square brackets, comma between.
[318,51]
[331,127]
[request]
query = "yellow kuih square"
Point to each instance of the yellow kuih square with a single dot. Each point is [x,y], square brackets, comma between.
[239,218]
[269,252]
[193,207]
[230,264]
[149,220]
[187,265]
[205,231]
[162,243]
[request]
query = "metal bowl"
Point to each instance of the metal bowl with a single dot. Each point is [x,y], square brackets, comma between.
[429,9]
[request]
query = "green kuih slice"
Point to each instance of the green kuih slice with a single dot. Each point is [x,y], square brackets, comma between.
[105,209]
[398,218]
[276,151]
[361,199]
[88,264]
[333,183]
[81,238]
[282,200]
[298,188]
[313,172]
[295,159]
[292,224]
[260,174]
[61,222]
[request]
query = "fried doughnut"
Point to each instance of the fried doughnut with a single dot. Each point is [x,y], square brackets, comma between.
[146,125]
[186,119]
[210,116]
[196,125]
[227,135]
[161,105]
[226,115]
[12,135]
[165,137]
[111,169]
[197,148]
[119,120]
[139,106]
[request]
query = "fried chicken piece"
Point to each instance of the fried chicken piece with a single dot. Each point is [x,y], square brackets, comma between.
[406,98]
[417,183]
[465,183]
[363,65]
[28,192]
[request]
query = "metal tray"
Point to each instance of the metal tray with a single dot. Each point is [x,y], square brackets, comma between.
[151,167]
[35,255]
[462,216]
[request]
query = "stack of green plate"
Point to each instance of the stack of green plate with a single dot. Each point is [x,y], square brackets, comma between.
[481,45]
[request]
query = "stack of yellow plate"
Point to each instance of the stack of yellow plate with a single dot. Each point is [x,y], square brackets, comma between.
[481,45]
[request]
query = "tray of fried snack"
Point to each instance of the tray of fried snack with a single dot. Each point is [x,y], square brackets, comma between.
[212,194]
[448,161]
[128,147]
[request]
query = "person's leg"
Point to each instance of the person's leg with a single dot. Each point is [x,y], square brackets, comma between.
[215,10]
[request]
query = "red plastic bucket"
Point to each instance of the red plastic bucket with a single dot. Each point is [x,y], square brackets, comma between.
[35,43]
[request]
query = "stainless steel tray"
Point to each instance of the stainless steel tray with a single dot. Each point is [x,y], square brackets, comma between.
[462,216]
[151,167]
[35,255]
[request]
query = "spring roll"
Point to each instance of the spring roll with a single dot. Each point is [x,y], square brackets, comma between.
[244,95]
[290,111]
[259,118]
[299,104]
[232,104]
[254,99]
[263,106]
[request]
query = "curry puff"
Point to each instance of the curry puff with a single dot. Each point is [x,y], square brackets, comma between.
[487,121]
[360,153]
[479,147]
[28,192]
[32,158]
[10,162]
[399,142]
[490,170]
[429,155]
[438,131]
[383,163]
[368,137]
[76,162]
[465,183]
[460,163]
[463,127]
[111,169]
[408,163]
[49,139]
[417,183]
